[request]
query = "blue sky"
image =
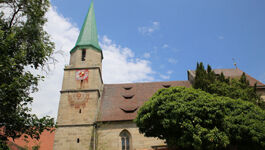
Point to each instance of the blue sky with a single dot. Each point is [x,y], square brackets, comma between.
[182,33]
[151,40]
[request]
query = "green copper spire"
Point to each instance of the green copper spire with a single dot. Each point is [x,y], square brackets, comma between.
[88,35]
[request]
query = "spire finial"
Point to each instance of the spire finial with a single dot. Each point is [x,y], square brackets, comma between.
[234,62]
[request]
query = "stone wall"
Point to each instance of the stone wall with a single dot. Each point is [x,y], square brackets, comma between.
[93,58]
[108,137]
[94,80]
[79,102]
[66,138]
[262,92]
[73,111]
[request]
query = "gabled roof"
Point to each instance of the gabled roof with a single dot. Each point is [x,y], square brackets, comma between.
[88,35]
[120,102]
[236,73]
[233,73]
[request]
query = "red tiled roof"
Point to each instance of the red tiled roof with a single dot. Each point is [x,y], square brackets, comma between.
[121,101]
[45,142]
[236,73]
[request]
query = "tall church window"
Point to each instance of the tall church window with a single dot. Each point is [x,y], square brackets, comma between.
[125,140]
[83,55]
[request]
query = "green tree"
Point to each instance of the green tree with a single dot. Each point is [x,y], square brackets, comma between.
[23,44]
[188,118]
[210,82]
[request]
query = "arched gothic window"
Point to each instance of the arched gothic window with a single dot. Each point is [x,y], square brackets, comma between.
[125,140]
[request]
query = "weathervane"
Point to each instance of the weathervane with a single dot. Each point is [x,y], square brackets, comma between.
[234,62]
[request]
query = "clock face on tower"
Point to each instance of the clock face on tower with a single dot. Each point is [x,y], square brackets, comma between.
[81,74]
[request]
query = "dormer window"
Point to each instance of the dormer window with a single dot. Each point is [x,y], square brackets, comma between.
[83,55]
[128,96]
[129,108]
[166,86]
[127,88]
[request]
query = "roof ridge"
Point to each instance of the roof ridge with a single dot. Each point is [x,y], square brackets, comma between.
[147,82]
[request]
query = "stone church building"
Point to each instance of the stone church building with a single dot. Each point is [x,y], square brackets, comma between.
[93,115]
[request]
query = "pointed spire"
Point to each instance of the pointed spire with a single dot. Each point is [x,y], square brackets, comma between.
[88,35]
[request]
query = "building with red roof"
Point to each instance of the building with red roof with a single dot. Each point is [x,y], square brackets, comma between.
[93,115]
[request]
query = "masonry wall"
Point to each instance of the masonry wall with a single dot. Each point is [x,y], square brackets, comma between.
[94,80]
[79,102]
[93,58]
[262,93]
[108,137]
[66,138]
[73,111]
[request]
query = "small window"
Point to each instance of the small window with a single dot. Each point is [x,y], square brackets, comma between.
[80,111]
[77,140]
[81,84]
[125,140]
[83,54]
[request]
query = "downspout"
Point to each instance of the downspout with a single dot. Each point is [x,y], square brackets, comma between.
[95,127]
[98,107]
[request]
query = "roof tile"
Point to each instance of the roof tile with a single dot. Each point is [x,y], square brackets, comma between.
[114,107]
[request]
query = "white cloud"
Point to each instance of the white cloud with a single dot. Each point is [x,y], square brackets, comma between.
[165,46]
[147,55]
[8,11]
[148,30]
[172,60]
[165,77]
[119,64]
[64,35]
[169,72]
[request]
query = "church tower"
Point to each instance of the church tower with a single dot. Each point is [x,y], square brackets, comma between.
[81,91]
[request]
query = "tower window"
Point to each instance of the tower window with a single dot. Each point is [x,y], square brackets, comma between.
[80,111]
[83,55]
[125,140]
[81,84]
[77,140]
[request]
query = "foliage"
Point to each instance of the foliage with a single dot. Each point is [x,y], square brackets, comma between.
[23,44]
[213,83]
[190,118]
[3,145]
[37,147]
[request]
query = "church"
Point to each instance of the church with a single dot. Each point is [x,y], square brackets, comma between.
[97,116]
